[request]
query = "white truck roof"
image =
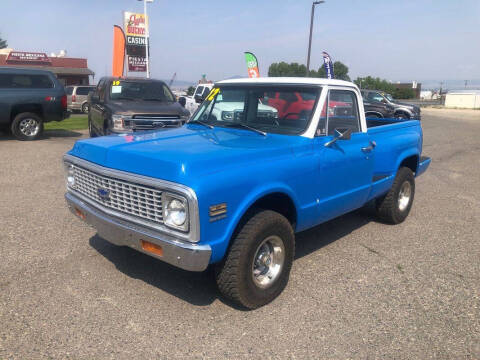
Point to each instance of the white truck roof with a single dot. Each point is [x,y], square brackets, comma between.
[288,80]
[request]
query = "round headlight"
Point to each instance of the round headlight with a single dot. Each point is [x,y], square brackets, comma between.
[176,212]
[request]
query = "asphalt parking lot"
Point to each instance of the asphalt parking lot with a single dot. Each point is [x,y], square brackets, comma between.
[358,288]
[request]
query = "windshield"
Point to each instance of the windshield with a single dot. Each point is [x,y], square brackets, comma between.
[141,90]
[280,109]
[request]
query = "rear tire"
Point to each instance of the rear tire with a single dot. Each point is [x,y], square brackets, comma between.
[257,267]
[27,126]
[394,207]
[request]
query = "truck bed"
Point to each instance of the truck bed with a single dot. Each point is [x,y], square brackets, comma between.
[374,122]
[394,139]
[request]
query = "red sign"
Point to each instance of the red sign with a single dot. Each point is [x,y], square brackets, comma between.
[21,56]
[136,63]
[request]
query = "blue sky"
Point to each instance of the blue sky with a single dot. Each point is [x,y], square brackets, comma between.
[393,39]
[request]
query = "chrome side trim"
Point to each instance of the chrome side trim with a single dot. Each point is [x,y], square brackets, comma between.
[185,255]
[193,235]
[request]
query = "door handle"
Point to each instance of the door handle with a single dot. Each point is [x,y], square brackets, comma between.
[370,147]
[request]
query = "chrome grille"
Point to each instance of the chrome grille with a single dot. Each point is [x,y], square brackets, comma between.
[123,196]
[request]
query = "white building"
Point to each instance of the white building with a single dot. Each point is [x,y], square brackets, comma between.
[464,99]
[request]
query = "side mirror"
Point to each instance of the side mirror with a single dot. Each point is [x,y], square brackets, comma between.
[182,101]
[94,98]
[340,134]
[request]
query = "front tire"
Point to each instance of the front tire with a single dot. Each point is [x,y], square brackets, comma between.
[91,132]
[394,207]
[402,115]
[27,126]
[257,267]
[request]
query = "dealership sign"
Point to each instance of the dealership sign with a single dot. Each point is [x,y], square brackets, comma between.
[136,63]
[21,56]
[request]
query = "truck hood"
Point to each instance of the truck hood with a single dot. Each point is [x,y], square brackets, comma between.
[186,153]
[129,108]
[407,105]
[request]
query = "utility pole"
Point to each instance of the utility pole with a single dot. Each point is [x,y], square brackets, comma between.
[311,30]
[147,40]
[466,82]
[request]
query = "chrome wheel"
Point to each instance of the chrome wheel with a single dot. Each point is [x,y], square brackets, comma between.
[29,127]
[85,108]
[404,195]
[268,261]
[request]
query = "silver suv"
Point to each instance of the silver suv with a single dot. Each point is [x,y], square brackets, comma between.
[77,97]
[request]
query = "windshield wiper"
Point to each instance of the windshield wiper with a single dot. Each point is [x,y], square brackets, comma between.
[258,131]
[201,123]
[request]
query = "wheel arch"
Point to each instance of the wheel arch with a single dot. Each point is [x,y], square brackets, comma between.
[380,115]
[280,200]
[24,108]
[403,111]
[410,162]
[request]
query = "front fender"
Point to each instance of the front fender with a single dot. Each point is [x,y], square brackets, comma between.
[405,110]
[220,246]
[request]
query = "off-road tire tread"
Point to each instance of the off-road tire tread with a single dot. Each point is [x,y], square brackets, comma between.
[227,274]
[386,207]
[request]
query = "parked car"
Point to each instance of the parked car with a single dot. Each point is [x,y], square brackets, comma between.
[378,109]
[193,102]
[119,105]
[77,97]
[400,110]
[28,99]
[232,193]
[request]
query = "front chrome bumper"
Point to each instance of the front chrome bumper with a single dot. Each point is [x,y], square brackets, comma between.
[187,256]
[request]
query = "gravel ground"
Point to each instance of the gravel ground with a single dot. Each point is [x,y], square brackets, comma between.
[358,288]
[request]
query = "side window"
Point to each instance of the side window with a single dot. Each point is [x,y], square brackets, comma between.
[374,96]
[199,90]
[340,111]
[83,90]
[5,81]
[21,81]
[206,91]
[101,89]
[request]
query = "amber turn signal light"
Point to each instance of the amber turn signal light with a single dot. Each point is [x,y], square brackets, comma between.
[80,214]
[154,249]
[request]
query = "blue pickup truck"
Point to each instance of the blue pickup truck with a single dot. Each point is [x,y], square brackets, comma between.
[232,186]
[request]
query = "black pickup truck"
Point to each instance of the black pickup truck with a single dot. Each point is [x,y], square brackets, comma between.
[120,105]
[28,99]
[400,110]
